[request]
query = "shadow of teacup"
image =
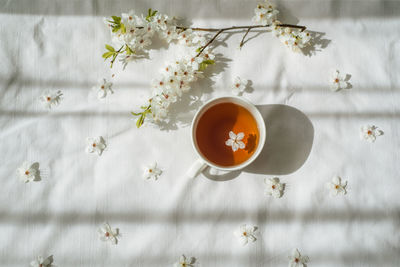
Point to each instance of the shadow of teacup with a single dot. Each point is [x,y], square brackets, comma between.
[289,138]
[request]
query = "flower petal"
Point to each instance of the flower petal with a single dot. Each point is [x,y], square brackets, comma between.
[239,136]
[241,145]
[232,135]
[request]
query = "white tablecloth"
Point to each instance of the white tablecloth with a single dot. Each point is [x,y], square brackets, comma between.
[312,135]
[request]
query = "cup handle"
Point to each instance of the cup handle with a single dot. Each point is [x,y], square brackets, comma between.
[197,167]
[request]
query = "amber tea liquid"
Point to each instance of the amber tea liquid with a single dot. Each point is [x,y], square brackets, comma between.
[213,130]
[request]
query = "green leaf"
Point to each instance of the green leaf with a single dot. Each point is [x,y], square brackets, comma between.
[116,19]
[198,49]
[116,28]
[107,54]
[154,13]
[149,12]
[140,121]
[136,114]
[128,50]
[208,62]
[202,66]
[110,48]
[123,29]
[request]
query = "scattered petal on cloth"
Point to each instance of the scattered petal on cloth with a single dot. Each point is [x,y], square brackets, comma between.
[41,262]
[185,262]
[103,88]
[337,81]
[297,260]
[235,141]
[246,234]
[29,172]
[95,144]
[152,171]
[50,99]
[336,186]
[239,86]
[106,233]
[274,187]
[370,133]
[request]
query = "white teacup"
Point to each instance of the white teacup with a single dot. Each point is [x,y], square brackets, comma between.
[200,164]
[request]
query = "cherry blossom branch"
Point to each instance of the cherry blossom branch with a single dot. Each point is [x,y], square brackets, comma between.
[244,36]
[249,27]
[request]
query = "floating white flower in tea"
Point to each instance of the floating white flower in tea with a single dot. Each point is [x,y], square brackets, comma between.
[370,132]
[246,234]
[235,141]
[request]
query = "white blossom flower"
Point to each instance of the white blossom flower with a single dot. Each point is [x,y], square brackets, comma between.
[51,99]
[152,171]
[337,81]
[295,39]
[186,37]
[103,88]
[246,234]
[274,187]
[125,59]
[370,132]
[41,262]
[106,233]
[235,141]
[297,260]
[95,144]
[28,172]
[129,18]
[162,21]
[265,13]
[185,262]
[143,41]
[169,34]
[239,85]
[336,186]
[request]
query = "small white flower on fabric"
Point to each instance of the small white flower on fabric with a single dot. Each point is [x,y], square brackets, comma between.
[274,187]
[370,132]
[41,262]
[246,234]
[239,85]
[106,233]
[28,172]
[235,141]
[336,186]
[152,171]
[337,81]
[51,99]
[95,144]
[297,260]
[185,262]
[103,88]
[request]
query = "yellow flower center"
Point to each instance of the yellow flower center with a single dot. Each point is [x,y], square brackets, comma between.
[27,172]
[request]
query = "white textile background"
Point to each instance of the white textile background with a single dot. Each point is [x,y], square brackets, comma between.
[311,137]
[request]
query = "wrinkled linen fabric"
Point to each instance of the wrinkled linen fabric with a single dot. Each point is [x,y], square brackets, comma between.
[312,135]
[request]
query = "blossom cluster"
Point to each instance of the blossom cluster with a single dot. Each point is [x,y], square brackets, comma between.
[296,39]
[176,78]
[132,34]
[266,14]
